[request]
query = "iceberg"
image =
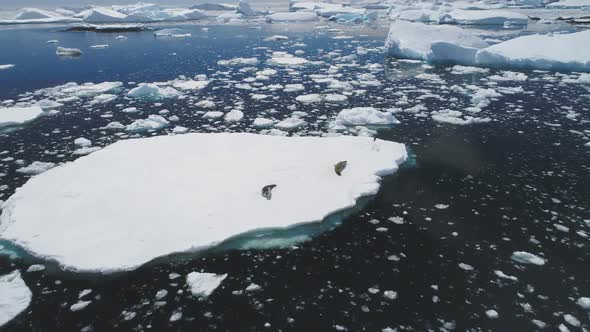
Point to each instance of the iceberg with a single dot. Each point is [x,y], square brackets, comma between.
[16,296]
[63,51]
[292,17]
[146,198]
[36,15]
[483,17]
[364,116]
[108,28]
[568,52]
[153,122]
[5,67]
[15,116]
[434,43]
[152,91]
[204,284]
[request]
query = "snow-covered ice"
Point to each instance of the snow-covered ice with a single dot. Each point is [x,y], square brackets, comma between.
[152,91]
[435,43]
[5,67]
[546,52]
[132,189]
[204,284]
[14,116]
[364,116]
[483,17]
[36,167]
[527,258]
[16,296]
[64,51]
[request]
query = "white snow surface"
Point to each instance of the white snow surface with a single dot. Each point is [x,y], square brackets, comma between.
[14,116]
[145,198]
[364,116]
[434,43]
[204,284]
[545,52]
[16,296]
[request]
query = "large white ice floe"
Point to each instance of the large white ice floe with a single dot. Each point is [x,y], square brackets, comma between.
[152,91]
[546,52]
[359,116]
[435,43]
[14,116]
[16,296]
[139,199]
[64,51]
[292,17]
[483,17]
[203,284]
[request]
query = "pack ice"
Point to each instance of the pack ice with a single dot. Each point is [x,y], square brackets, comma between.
[139,199]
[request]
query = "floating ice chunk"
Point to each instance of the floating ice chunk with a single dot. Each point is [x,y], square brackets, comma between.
[16,296]
[80,305]
[101,46]
[291,123]
[213,115]
[573,321]
[492,314]
[294,87]
[527,258]
[339,10]
[286,59]
[103,99]
[546,52]
[416,15]
[483,17]
[292,17]
[36,268]
[140,204]
[82,142]
[5,67]
[190,84]
[390,295]
[364,116]
[276,38]
[230,17]
[234,116]
[584,302]
[466,267]
[153,122]
[433,43]
[179,130]
[204,284]
[152,91]
[167,32]
[263,123]
[253,287]
[309,99]
[120,37]
[454,117]
[467,70]
[14,116]
[505,276]
[63,51]
[36,167]
[238,62]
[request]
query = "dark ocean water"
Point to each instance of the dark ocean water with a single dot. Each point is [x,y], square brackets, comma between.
[506,184]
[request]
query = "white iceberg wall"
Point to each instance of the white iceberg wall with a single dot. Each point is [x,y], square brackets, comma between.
[146,198]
